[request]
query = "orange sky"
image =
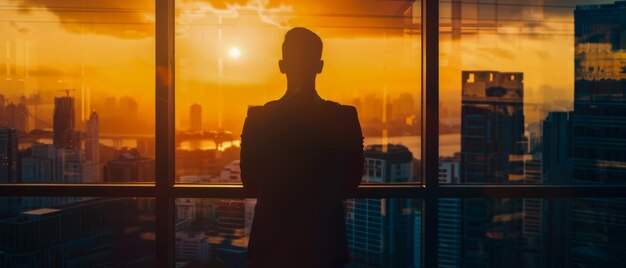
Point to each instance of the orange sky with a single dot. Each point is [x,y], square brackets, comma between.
[109,51]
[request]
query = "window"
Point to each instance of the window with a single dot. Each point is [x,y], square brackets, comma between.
[508,202]
[227,61]
[77,92]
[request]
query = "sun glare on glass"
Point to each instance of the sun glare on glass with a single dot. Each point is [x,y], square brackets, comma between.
[234,52]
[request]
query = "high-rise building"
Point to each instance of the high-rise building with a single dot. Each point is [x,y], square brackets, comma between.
[556,147]
[195,117]
[533,212]
[234,219]
[21,118]
[92,139]
[557,169]
[9,112]
[63,124]
[492,119]
[70,165]
[44,163]
[92,231]
[378,229]
[129,166]
[41,165]
[92,149]
[8,155]
[492,150]
[449,217]
[14,116]
[598,137]
[403,107]
[372,109]
[3,119]
[129,107]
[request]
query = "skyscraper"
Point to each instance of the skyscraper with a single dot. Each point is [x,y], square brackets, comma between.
[70,165]
[492,139]
[556,147]
[598,151]
[3,119]
[63,124]
[21,117]
[79,234]
[449,217]
[234,219]
[41,165]
[557,169]
[14,116]
[92,149]
[8,155]
[92,139]
[492,120]
[9,115]
[533,228]
[377,229]
[195,117]
[44,163]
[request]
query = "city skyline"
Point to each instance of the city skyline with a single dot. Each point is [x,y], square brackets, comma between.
[96,78]
[538,100]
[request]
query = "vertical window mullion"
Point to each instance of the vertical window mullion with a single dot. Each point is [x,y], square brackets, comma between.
[430,131]
[164,75]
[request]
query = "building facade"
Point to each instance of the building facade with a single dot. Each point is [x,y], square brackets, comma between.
[377,229]
[598,123]
[492,151]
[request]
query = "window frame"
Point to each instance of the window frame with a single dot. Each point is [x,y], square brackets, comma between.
[165,190]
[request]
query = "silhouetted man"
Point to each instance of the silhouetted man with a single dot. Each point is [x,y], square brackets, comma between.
[300,156]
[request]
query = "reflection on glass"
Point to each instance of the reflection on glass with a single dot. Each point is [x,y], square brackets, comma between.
[76,232]
[227,60]
[533,92]
[215,232]
[530,232]
[77,92]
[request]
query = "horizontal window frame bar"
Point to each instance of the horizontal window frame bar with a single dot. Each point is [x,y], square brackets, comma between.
[78,190]
[364,191]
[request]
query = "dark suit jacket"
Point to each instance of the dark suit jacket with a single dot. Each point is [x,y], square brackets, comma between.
[300,159]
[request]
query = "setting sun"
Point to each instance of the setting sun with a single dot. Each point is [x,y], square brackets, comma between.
[234,52]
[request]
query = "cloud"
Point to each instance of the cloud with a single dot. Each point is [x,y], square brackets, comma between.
[119,18]
[135,19]
[193,12]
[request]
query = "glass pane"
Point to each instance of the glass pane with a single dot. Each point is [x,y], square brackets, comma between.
[77,91]
[533,92]
[532,232]
[227,58]
[216,232]
[76,232]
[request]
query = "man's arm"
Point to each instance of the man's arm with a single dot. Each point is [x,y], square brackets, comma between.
[353,155]
[250,158]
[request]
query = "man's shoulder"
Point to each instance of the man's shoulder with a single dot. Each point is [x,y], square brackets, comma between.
[258,110]
[340,108]
[328,105]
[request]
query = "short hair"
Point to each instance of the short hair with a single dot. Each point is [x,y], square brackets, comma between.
[302,44]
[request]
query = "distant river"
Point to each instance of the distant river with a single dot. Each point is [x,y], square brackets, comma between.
[448,143]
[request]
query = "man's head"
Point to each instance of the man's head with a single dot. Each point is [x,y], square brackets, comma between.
[302,53]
